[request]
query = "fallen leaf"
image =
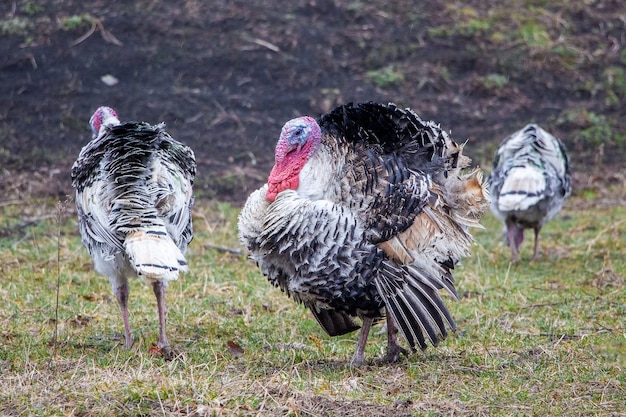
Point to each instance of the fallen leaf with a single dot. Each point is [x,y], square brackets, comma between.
[95,297]
[318,342]
[155,351]
[234,349]
[80,320]
[236,312]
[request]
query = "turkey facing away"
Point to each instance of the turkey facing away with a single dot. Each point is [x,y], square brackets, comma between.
[365,213]
[528,184]
[134,197]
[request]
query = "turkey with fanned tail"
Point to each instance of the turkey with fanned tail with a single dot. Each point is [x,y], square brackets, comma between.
[134,198]
[364,214]
[528,184]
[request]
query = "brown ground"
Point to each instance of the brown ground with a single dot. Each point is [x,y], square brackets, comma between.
[225,75]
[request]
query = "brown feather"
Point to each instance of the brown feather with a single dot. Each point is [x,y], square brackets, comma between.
[413,239]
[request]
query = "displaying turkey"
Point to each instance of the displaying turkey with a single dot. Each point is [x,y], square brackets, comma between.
[529,182]
[134,198]
[365,213]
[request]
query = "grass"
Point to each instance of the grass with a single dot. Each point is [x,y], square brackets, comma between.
[76,22]
[544,338]
[593,129]
[15,26]
[385,76]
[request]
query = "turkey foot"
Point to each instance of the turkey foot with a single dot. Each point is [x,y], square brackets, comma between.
[393,348]
[359,356]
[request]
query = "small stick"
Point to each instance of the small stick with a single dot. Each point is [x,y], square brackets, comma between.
[59,216]
[223,249]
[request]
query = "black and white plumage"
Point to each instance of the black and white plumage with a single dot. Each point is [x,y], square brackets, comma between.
[529,183]
[365,213]
[134,198]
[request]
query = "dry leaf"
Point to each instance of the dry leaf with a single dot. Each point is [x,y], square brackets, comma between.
[80,320]
[234,349]
[318,342]
[155,351]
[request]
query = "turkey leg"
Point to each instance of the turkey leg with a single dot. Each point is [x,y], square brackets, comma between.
[393,348]
[121,293]
[159,292]
[359,355]
[536,248]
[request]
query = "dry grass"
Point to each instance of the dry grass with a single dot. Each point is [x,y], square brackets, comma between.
[544,338]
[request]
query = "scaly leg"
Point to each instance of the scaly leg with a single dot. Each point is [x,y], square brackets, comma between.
[159,292]
[536,249]
[121,293]
[359,355]
[515,237]
[514,249]
[393,348]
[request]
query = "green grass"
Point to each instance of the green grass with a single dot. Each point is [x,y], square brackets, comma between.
[15,26]
[76,22]
[543,338]
[385,76]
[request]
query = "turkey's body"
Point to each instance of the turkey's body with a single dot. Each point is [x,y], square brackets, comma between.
[372,224]
[134,197]
[529,183]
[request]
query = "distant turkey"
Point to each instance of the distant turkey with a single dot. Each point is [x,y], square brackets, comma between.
[134,197]
[365,211]
[528,184]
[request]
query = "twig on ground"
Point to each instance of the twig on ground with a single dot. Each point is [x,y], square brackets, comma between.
[59,217]
[593,241]
[96,24]
[223,249]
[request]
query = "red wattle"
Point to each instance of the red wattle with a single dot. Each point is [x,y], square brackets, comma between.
[281,179]
[286,170]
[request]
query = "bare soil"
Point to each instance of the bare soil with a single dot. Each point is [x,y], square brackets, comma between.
[225,75]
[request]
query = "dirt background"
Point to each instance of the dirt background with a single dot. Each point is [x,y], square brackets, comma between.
[225,75]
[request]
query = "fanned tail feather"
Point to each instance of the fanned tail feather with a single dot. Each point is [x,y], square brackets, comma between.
[154,255]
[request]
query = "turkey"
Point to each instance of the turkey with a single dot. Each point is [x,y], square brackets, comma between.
[134,198]
[364,214]
[529,182]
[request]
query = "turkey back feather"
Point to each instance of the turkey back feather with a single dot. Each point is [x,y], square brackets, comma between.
[393,156]
[143,179]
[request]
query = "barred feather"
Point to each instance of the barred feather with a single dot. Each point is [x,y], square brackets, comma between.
[529,182]
[134,178]
[372,224]
[134,198]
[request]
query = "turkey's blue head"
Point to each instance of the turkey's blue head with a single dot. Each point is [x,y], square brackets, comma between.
[102,117]
[298,139]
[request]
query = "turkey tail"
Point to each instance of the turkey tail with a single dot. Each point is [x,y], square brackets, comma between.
[523,187]
[334,322]
[154,255]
